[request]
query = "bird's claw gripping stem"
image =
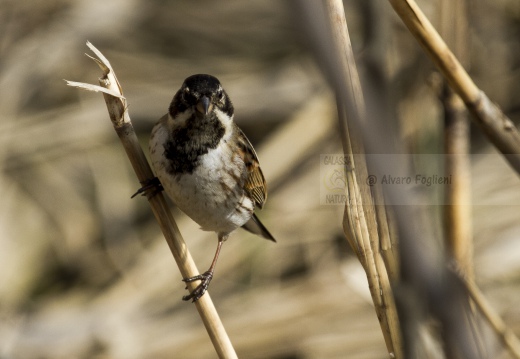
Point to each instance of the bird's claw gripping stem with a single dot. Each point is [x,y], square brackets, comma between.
[205,278]
[150,188]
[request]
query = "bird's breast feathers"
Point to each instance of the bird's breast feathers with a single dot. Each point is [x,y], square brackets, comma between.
[212,194]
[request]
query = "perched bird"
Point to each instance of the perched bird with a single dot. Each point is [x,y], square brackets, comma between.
[207,165]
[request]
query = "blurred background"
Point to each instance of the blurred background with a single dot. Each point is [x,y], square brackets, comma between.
[85,271]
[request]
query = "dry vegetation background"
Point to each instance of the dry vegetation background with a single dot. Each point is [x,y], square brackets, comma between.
[84,270]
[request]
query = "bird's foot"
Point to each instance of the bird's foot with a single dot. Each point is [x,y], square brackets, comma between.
[150,188]
[205,278]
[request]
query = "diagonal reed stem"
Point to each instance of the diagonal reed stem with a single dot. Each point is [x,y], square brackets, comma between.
[117,110]
[360,221]
[499,129]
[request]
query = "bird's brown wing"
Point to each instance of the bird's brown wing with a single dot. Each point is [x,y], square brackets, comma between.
[255,185]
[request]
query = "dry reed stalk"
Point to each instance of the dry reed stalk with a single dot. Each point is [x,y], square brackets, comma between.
[360,222]
[457,211]
[387,236]
[459,241]
[506,335]
[425,281]
[117,109]
[499,129]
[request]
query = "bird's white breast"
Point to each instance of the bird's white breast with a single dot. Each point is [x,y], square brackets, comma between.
[210,195]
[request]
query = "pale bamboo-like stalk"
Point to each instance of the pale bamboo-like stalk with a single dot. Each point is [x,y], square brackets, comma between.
[424,277]
[387,237]
[499,129]
[360,221]
[506,335]
[459,241]
[118,112]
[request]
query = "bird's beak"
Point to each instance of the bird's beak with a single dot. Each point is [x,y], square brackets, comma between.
[204,105]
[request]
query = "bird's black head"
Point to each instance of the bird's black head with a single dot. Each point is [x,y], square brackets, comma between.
[202,93]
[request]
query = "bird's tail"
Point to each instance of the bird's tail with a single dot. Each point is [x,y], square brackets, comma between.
[256,227]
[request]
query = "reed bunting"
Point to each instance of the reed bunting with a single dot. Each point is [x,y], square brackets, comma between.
[207,165]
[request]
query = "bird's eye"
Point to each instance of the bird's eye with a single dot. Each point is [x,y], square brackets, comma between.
[187,95]
[220,94]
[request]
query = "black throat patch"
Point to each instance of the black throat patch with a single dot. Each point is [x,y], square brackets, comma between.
[189,142]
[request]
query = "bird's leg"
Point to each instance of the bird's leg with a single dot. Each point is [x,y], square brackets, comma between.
[152,184]
[206,277]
